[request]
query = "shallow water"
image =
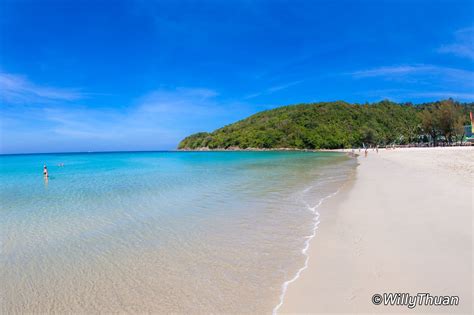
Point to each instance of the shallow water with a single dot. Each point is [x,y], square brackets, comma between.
[158,232]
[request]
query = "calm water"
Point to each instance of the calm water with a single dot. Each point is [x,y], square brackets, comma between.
[157,232]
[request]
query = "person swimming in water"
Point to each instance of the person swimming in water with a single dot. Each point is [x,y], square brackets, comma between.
[45,171]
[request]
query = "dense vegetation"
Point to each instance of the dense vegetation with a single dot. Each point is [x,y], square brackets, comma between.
[340,124]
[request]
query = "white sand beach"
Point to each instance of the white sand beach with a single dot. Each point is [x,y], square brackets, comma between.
[404,224]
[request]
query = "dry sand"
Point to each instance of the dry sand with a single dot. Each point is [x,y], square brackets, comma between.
[403,225]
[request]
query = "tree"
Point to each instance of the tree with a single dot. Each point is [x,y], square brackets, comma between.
[459,129]
[450,120]
[429,124]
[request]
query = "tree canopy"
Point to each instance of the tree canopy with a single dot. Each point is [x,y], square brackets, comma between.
[337,125]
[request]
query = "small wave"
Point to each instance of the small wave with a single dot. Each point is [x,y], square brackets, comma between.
[306,246]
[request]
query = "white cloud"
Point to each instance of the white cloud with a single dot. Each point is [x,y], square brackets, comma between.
[179,100]
[463,45]
[444,95]
[162,116]
[419,73]
[272,89]
[18,89]
[390,71]
[282,86]
[408,95]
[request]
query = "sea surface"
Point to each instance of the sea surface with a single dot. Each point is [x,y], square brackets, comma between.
[187,232]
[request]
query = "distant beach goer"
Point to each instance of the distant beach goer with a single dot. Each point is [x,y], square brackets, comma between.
[45,171]
[365,152]
[377,149]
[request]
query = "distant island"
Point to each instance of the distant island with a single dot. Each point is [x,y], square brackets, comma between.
[335,125]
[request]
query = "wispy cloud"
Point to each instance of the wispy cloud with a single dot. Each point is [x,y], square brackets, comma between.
[180,100]
[408,95]
[418,81]
[276,88]
[272,89]
[390,71]
[418,73]
[80,122]
[162,116]
[444,95]
[18,89]
[463,45]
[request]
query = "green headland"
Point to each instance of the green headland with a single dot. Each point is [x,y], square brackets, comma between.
[340,124]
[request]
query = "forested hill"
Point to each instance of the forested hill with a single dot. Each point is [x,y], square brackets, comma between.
[338,124]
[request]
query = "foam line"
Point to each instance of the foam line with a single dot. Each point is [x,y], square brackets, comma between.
[305,248]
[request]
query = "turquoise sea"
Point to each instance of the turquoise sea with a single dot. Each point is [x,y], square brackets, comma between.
[158,231]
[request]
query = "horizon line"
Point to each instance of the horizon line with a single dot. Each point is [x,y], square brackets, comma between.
[91,152]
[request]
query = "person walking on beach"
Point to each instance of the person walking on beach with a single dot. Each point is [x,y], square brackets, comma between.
[365,152]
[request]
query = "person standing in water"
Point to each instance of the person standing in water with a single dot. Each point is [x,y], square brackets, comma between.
[45,171]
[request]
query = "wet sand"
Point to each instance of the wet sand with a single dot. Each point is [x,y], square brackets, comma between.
[403,225]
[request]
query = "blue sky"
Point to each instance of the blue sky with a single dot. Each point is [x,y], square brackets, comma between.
[140,75]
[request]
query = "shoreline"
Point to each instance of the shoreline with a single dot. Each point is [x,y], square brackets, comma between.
[342,150]
[371,240]
[316,221]
[304,251]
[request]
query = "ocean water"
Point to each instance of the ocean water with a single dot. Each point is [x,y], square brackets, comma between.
[187,232]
